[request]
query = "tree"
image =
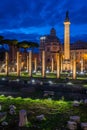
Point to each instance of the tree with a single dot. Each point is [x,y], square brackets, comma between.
[11,44]
[2,41]
[2,50]
[28,45]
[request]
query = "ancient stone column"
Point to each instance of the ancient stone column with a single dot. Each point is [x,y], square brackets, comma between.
[30,63]
[52,65]
[35,64]
[23,118]
[43,63]
[71,65]
[61,63]
[67,38]
[67,43]
[18,63]
[58,66]
[74,66]
[6,69]
[82,65]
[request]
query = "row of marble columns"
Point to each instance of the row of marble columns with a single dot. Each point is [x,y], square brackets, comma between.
[29,64]
[59,65]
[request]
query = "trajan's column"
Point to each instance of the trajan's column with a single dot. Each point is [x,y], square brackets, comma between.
[66,61]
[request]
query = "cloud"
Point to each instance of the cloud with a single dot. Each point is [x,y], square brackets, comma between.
[20,18]
[21,36]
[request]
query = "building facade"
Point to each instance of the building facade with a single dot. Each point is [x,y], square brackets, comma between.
[51,45]
[80,50]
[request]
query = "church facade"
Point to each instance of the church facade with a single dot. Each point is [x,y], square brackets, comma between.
[51,45]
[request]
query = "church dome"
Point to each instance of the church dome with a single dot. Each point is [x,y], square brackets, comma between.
[53,32]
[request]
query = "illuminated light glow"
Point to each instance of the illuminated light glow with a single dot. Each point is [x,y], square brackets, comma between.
[2,95]
[26,71]
[3,79]
[10,96]
[33,81]
[42,38]
[85,56]
[34,71]
[38,71]
[81,72]
[69,83]
[47,71]
[17,80]
[50,82]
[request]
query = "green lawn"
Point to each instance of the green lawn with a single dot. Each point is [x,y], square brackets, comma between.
[56,113]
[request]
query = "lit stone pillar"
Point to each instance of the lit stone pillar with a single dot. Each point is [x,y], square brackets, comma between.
[71,65]
[27,63]
[67,40]
[74,66]
[67,43]
[43,63]
[30,63]
[61,63]
[18,63]
[58,66]
[35,64]
[52,65]
[6,56]
[82,65]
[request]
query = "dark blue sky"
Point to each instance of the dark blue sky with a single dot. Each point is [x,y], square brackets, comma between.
[29,19]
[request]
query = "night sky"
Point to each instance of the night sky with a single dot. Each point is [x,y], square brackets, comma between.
[30,19]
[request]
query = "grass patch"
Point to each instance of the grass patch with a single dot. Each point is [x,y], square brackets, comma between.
[57,113]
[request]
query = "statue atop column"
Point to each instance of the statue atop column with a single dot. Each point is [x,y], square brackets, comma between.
[67,16]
